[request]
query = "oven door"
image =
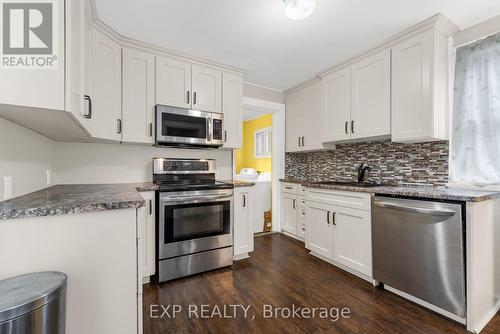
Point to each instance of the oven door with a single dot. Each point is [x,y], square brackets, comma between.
[194,221]
[183,126]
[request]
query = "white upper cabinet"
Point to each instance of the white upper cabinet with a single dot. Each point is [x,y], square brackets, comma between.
[371,96]
[295,105]
[138,96]
[173,82]
[420,88]
[232,107]
[303,119]
[311,118]
[105,86]
[36,87]
[337,105]
[207,89]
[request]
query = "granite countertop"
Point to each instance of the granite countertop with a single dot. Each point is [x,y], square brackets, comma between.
[75,198]
[432,192]
[241,183]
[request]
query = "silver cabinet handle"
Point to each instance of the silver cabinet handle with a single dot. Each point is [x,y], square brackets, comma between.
[433,212]
[352,126]
[333,218]
[346,125]
[225,136]
[150,207]
[151,129]
[294,204]
[303,141]
[328,217]
[299,141]
[194,97]
[187,97]
[244,201]
[118,126]
[88,114]
[288,187]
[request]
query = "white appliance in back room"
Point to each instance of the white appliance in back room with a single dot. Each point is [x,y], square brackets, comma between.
[263,187]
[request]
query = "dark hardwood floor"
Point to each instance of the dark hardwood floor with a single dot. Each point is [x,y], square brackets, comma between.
[281,273]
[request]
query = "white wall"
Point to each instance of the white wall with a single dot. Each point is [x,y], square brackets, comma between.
[477,31]
[109,163]
[262,93]
[25,156]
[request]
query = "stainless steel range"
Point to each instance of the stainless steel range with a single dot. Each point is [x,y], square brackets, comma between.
[194,228]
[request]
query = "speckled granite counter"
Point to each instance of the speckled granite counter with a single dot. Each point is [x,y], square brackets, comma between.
[241,183]
[441,193]
[72,199]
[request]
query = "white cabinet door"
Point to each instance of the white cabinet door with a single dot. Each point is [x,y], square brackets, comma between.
[76,43]
[337,105]
[105,86]
[138,96]
[295,105]
[232,107]
[352,239]
[244,207]
[207,89]
[289,213]
[148,234]
[312,118]
[319,228]
[173,82]
[35,87]
[411,88]
[371,96]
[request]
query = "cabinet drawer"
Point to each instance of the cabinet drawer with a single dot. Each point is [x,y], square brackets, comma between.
[302,190]
[290,188]
[349,199]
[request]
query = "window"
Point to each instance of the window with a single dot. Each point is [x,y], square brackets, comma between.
[475,146]
[263,143]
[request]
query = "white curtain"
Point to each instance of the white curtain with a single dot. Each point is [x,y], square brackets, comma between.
[475,151]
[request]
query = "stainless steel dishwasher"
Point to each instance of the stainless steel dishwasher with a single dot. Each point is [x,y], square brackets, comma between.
[418,249]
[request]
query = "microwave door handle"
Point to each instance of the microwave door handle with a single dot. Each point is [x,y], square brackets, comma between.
[209,128]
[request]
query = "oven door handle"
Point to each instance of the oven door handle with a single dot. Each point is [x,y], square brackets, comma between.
[187,200]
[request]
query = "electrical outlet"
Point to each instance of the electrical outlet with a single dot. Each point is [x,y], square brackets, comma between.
[49,176]
[7,187]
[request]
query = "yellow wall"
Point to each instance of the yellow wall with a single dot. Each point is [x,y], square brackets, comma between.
[244,157]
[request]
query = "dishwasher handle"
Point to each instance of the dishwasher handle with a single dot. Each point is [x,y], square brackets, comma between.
[414,209]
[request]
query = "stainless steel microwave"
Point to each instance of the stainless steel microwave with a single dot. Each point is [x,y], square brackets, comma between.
[186,127]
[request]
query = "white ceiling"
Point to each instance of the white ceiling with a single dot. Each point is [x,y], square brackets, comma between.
[278,52]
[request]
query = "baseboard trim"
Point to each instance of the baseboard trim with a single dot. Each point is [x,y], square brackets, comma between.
[292,236]
[341,266]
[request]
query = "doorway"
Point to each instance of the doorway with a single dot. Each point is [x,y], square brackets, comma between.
[262,157]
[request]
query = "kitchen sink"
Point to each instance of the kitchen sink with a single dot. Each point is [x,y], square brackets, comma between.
[350,184]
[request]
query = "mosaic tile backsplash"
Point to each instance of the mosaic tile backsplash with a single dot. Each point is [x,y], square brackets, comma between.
[392,163]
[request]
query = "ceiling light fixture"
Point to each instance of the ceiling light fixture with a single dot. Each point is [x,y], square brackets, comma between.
[299,9]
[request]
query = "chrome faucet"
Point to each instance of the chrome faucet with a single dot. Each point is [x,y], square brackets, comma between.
[362,170]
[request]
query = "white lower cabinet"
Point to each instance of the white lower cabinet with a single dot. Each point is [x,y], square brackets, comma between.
[320,229]
[339,229]
[146,221]
[244,204]
[352,239]
[289,207]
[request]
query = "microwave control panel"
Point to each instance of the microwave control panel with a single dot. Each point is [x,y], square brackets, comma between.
[217,125]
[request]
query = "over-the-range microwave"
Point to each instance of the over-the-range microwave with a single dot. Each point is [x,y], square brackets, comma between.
[185,127]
